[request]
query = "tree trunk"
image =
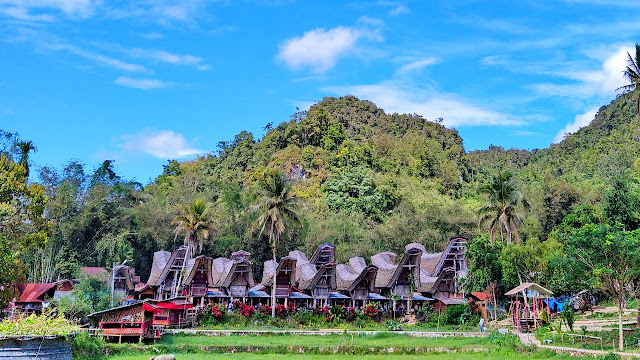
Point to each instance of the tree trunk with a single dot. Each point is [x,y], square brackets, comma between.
[273,289]
[620,332]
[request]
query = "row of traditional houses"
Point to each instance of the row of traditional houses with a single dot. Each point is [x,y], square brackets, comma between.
[414,275]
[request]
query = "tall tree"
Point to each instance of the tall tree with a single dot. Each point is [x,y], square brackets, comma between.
[198,223]
[621,204]
[505,204]
[632,73]
[24,148]
[277,208]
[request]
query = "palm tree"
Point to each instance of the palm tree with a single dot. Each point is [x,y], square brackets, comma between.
[503,209]
[277,208]
[24,147]
[198,224]
[632,73]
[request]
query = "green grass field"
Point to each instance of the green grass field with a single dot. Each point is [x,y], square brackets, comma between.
[198,347]
[378,340]
[441,356]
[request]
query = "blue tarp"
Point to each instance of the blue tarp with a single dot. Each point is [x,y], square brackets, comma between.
[421,298]
[337,295]
[298,295]
[554,305]
[257,294]
[215,293]
[374,296]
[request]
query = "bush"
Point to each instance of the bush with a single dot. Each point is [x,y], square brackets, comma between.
[460,315]
[87,347]
[38,325]
[213,314]
[568,316]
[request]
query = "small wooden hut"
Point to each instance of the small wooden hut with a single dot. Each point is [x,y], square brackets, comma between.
[526,305]
[134,321]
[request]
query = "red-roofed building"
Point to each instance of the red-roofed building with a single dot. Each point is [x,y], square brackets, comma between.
[35,296]
[481,299]
[97,272]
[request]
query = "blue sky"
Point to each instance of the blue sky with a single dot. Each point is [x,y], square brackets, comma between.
[141,82]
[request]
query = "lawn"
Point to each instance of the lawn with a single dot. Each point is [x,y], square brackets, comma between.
[367,347]
[435,356]
[378,340]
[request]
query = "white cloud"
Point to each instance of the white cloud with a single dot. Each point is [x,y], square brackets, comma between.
[24,9]
[396,98]
[165,57]
[102,59]
[581,121]
[399,10]
[144,84]
[415,64]
[319,49]
[604,81]
[162,144]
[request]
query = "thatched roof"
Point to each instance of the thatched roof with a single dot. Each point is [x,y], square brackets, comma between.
[309,283]
[220,270]
[177,256]
[388,271]
[123,271]
[160,260]
[348,276]
[532,289]
[199,262]
[305,270]
[269,266]
[344,276]
[237,264]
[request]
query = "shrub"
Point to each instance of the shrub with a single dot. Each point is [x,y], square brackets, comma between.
[212,314]
[87,347]
[38,325]
[568,316]
[459,315]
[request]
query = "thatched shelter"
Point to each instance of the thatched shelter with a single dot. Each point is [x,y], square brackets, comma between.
[526,305]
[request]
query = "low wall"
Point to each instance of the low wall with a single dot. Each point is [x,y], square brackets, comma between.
[35,347]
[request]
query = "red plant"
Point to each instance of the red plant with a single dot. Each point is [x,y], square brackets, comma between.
[244,309]
[265,309]
[370,310]
[216,312]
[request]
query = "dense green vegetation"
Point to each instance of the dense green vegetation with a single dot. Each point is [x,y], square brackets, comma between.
[362,179]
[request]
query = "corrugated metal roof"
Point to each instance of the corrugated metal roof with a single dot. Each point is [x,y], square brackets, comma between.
[32,292]
[482,296]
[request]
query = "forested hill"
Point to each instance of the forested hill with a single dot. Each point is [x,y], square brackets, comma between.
[367,181]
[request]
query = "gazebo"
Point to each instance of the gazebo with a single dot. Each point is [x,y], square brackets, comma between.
[527,304]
